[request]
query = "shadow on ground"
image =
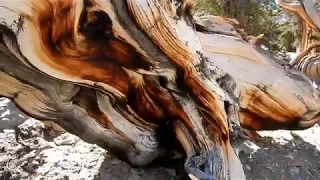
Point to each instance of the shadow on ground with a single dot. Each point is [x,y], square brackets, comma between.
[296,160]
[113,169]
[10,115]
[293,160]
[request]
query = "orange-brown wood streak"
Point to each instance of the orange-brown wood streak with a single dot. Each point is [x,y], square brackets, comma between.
[143,105]
[262,103]
[261,111]
[171,107]
[99,60]
[161,33]
[252,121]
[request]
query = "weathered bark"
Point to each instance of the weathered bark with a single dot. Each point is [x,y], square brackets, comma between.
[135,78]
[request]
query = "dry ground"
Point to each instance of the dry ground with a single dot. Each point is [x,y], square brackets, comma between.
[294,156]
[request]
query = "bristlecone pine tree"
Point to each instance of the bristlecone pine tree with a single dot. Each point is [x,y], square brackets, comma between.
[146,80]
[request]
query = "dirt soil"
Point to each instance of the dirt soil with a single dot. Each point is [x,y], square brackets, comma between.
[294,156]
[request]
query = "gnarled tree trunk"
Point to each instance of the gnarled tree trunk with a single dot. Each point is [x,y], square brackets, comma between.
[144,79]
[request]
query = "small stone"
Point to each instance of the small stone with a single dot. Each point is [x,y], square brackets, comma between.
[245,149]
[66,139]
[298,164]
[171,172]
[287,136]
[137,171]
[248,167]
[280,147]
[294,170]
[250,160]
[290,146]
[294,134]
[289,157]
[298,142]
[115,162]
[269,167]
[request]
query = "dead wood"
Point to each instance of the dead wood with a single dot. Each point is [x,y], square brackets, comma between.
[136,78]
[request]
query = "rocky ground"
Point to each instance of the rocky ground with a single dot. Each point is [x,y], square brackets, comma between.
[295,155]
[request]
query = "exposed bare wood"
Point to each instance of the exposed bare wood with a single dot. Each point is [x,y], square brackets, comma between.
[310,66]
[304,53]
[145,80]
[271,78]
[271,95]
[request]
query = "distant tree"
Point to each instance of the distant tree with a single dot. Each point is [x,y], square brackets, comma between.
[256,17]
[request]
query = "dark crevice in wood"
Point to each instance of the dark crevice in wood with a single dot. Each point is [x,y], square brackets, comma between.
[86,98]
[97,29]
[122,8]
[172,108]
[1,39]
[166,136]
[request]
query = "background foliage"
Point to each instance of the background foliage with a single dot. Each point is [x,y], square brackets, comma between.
[257,17]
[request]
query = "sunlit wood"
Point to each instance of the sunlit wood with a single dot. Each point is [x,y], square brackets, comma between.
[146,80]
